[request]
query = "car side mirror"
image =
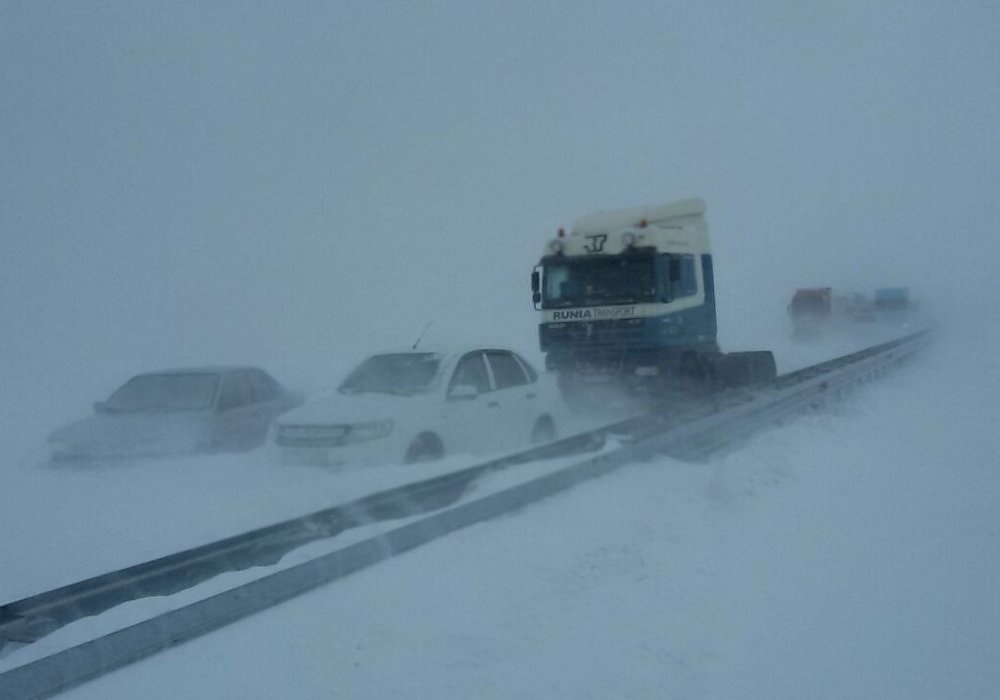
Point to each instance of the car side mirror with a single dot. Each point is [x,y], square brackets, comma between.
[463,392]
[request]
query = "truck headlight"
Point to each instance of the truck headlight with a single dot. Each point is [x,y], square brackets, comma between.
[362,432]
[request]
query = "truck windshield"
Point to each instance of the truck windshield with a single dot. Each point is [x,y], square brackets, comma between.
[598,281]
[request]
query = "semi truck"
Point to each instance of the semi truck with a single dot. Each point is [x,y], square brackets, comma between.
[892,300]
[628,298]
[894,306]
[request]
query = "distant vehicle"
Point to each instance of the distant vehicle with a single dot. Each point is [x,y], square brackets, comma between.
[893,306]
[179,411]
[418,405]
[892,299]
[859,308]
[810,310]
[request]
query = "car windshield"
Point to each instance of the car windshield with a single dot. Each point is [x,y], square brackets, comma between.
[593,282]
[400,373]
[164,392]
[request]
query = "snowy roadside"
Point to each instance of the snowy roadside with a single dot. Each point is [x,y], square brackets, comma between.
[846,554]
[68,522]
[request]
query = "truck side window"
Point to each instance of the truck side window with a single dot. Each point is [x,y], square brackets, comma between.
[677,276]
[665,267]
[688,284]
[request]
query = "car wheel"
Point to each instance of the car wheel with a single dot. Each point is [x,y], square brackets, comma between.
[426,447]
[544,431]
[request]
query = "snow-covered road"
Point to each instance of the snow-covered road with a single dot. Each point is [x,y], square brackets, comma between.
[847,554]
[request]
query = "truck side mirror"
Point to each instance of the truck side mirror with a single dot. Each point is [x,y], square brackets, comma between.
[536,298]
[536,281]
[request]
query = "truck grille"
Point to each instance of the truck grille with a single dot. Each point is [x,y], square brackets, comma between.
[617,332]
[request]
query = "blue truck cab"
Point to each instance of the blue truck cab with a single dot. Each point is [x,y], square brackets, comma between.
[630,294]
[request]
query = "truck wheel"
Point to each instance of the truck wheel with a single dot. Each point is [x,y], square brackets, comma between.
[696,374]
[749,368]
[426,447]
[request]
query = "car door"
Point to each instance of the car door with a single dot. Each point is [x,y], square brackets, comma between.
[270,401]
[470,421]
[517,401]
[234,420]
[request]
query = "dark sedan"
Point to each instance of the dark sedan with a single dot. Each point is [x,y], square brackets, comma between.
[180,411]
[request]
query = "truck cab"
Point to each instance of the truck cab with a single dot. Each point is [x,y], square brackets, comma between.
[893,305]
[624,287]
[630,295]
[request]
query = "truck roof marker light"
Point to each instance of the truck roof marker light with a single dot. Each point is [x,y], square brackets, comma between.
[562,233]
[643,223]
[555,246]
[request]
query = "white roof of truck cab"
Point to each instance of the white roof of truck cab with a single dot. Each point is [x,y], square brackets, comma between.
[677,227]
[622,219]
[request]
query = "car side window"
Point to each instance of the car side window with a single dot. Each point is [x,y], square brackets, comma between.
[506,370]
[236,391]
[471,370]
[529,370]
[265,388]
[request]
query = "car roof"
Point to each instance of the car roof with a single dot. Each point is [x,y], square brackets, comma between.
[445,352]
[209,369]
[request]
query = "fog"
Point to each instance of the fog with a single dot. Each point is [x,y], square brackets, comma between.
[190,184]
[297,186]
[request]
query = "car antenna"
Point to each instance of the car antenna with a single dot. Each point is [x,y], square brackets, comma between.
[421,336]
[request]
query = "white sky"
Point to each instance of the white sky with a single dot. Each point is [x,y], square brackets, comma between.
[191,182]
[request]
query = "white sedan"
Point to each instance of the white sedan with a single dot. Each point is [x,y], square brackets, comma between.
[419,405]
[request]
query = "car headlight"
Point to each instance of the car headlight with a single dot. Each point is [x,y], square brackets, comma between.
[296,435]
[362,432]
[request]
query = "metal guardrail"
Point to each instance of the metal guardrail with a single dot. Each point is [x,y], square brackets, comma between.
[711,425]
[29,619]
